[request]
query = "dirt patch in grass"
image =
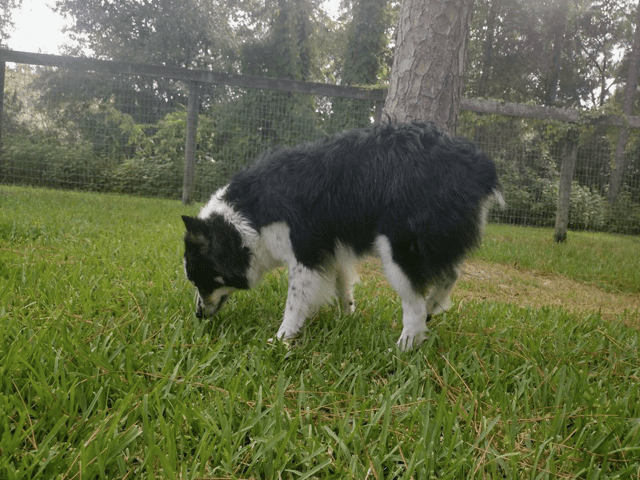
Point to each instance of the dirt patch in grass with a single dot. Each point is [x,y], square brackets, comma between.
[502,283]
[483,281]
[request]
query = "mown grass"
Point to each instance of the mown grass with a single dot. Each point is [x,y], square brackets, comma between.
[609,262]
[105,372]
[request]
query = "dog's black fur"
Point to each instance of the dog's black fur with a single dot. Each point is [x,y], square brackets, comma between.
[425,192]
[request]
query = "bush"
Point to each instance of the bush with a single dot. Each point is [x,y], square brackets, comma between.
[151,177]
[536,205]
[623,216]
[46,162]
[588,208]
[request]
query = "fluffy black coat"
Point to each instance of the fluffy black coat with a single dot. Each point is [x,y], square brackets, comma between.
[418,187]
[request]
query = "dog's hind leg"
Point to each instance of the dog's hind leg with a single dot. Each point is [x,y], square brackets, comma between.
[414,303]
[438,300]
[308,289]
[346,277]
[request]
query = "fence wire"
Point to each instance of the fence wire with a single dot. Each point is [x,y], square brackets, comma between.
[126,134]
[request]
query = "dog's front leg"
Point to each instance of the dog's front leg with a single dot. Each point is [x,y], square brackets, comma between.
[307,290]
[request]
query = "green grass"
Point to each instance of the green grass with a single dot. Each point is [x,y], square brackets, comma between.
[610,262]
[105,372]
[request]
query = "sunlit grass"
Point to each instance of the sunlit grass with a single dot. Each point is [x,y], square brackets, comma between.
[106,373]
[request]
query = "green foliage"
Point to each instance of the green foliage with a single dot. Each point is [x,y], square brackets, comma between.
[186,33]
[286,50]
[366,43]
[517,47]
[7,8]
[528,156]
[47,162]
[623,216]
[106,373]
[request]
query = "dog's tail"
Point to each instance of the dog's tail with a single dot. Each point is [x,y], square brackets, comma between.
[496,198]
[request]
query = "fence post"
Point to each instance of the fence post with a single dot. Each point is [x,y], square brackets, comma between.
[564,191]
[2,69]
[190,143]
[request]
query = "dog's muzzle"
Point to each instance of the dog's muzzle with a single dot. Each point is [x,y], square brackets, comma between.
[209,308]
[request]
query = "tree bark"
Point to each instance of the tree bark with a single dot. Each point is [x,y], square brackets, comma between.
[429,63]
[617,175]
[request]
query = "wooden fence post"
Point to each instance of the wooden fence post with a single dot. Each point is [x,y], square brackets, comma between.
[564,191]
[2,69]
[190,143]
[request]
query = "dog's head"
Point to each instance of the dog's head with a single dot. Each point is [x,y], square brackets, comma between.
[215,261]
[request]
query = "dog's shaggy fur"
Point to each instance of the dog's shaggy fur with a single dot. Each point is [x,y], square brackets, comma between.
[406,193]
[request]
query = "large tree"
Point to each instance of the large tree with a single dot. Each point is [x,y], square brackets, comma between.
[429,63]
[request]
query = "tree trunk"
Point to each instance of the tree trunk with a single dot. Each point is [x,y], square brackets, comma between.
[617,175]
[429,63]
[559,27]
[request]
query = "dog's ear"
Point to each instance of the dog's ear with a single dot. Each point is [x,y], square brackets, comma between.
[193,224]
[197,232]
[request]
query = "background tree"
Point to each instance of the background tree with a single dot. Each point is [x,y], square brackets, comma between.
[429,62]
[562,52]
[630,94]
[7,7]
[364,58]
[183,33]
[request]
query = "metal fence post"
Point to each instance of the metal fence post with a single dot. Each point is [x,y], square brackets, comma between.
[190,143]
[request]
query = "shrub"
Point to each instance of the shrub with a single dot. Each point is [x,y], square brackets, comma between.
[623,216]
[46,162]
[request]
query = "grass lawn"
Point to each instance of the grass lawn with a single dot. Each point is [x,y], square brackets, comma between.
[106,373]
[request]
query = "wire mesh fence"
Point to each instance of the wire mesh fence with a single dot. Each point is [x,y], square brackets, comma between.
[529,155]
[125,133]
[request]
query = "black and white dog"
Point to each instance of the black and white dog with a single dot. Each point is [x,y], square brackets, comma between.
[406,193]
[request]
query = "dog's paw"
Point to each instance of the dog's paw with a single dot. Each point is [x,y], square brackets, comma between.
[274,340]
[409,341]
[348,307]
[284,337]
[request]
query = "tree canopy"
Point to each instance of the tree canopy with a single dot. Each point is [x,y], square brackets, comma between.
[569,53]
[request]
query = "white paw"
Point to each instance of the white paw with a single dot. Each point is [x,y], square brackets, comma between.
[409,341]
[348,307]
[285,341]
[285,334]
